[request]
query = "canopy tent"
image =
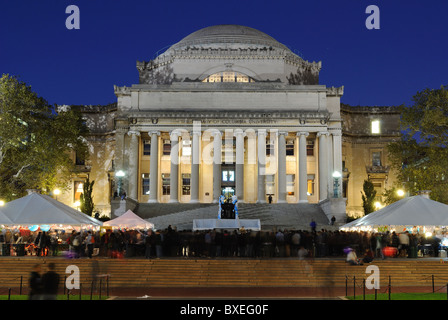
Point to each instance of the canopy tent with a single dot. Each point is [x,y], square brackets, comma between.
[408,212]
[39,209]
[4,220]
[129,220]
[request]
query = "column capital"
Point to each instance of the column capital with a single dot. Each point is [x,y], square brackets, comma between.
[323,133]
[216,133]
[239,132]
[133,132]
[154,132]
[174,135]
[262,132]
[282,133]
[302,133]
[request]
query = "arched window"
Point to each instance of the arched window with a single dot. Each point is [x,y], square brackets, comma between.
[228,76]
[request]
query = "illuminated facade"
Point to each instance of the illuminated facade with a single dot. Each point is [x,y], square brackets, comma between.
[226,110]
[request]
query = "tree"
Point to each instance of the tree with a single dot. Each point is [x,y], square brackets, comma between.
[36,141]
[368,197]
[86,198]
[391,195]
[420,157]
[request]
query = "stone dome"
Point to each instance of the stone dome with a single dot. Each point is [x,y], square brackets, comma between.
[228,34]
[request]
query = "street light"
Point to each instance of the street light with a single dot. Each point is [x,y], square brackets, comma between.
[400,192]
[2,203]
[120,174]
[56,192]
[336,176]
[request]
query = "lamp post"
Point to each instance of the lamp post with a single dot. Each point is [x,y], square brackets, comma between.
[336,176]
[2,203]
[120,174]
[56,192]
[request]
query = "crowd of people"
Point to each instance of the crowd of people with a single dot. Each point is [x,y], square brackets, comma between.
[227,243]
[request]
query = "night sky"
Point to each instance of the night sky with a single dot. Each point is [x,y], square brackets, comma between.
[377,67]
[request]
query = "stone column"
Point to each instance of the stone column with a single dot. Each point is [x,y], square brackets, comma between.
[154,167]
[239,165]
[217,159]
[323,166]
[281,160]
[174,172]
[132,171]
[303,173]
[261,196]
[337,158]
[195,160]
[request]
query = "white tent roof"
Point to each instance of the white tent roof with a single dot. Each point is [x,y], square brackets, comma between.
[411,211]
[37,208]
[129,220]
[4,219]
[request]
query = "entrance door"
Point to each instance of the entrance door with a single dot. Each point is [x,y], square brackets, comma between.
[228,180]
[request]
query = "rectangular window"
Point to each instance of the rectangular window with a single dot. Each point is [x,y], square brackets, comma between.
[167,148]
[270,184]
[186,148]
[145,183]
[310,189]
[376,159]
[375,127]
[186,184]
[290,184]
[290,147]
[146,147]
[270,149]
[165,184]
[310,147]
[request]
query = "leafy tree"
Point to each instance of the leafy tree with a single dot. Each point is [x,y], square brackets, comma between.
[420,157]
[36,141]
[391,195]
[368,197]
[86,198]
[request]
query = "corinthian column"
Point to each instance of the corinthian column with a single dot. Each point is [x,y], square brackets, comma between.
[261,196]
[239,165]
[303,174]
[323,166]
[174,172]
[281,179]
[154,167]
[133,165]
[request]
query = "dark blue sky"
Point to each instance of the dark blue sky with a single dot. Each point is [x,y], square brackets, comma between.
[377,67]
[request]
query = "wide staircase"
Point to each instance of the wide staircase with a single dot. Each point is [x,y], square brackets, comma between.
[232,272]
[272,216]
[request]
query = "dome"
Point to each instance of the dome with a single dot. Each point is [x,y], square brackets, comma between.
[228,34]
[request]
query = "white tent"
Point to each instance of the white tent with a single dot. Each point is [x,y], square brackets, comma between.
[4,220]
[39,209]
[412,211]
[129,220]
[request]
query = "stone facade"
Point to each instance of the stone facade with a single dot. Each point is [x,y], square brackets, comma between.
[227,110]
[366,132]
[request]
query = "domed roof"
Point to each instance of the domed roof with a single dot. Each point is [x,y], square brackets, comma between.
[228,34]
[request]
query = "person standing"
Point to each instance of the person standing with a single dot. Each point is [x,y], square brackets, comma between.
[35,283]
[50,283]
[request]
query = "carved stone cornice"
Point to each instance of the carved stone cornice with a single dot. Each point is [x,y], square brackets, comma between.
[333,91]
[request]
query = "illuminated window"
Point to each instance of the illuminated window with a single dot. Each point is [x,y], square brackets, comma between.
[186,148]
[146,147]
[145,183]
[228,76]
[310,185]
[186,184]
[290,184]
[375,126]
[165,183]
